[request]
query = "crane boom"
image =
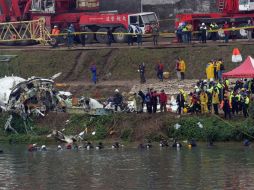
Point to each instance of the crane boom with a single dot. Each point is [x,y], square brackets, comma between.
[228,6]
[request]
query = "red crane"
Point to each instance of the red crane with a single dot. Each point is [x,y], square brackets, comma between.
[237,11]
[83,14]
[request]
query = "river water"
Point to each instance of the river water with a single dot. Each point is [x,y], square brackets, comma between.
[225,166]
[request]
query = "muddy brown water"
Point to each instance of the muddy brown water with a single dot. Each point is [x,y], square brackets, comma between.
[225,166]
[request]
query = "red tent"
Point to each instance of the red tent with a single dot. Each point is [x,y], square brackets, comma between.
[245,70]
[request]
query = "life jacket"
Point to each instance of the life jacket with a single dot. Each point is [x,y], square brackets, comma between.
[55,31]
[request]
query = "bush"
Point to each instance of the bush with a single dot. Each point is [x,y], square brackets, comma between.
[126,134]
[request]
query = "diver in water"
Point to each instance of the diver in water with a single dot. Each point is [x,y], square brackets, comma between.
[99,146]
[163,143]
[176,144]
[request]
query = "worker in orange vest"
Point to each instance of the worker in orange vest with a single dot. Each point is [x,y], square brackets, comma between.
[55,35]
[55,31]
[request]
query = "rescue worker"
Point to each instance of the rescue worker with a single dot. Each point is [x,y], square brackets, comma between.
[226,106]
[117,100]
[203,101]
[195,106]
[233,32]
[226,32]
[148,101]
[110,36]
[55,32]
[70,35]
[138,100]
[249,31]
[215,101]
[235,100]
[213,26]
[215,69]
[246,102]
[155,34]
[218,63]
[154,101]
[93,70]
[179,33]
[138,32]
[83,37]
[130,35]
[180,102]
[182,67]
[203,30]
[189,32]
[178,70]
[163,101]
[210,71]
[184,33]
[221,70]
[160,69]
[141,70]
[142,95]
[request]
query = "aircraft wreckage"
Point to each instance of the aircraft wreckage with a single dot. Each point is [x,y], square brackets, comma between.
[35,96]
[25,97]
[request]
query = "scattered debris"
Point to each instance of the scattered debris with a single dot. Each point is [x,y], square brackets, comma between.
[8,126]
[177,126]
[61,137]
[200,125]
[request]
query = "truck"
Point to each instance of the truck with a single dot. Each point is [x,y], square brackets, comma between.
[231,11]
[83,14]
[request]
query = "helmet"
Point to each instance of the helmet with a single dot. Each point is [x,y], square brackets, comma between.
[203,24]
[116,90]
[55,26]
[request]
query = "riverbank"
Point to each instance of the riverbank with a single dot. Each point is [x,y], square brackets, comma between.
[117,68]
[113,65]
[130,128]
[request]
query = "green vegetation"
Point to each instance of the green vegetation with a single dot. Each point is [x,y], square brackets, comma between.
[133,127]
[214,128]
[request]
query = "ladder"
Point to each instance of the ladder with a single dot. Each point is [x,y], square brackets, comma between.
[221,5]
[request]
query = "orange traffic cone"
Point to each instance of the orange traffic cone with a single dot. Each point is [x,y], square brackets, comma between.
[236,56]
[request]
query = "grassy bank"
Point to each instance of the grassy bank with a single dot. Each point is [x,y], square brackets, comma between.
[130,128]
[115,64]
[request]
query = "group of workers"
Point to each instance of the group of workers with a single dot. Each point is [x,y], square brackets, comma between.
[210,96]
[214,69]
[150,99]
[204,31]
[135,34]
[70,35]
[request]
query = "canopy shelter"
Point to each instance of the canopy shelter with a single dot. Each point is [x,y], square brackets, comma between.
[245,70]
